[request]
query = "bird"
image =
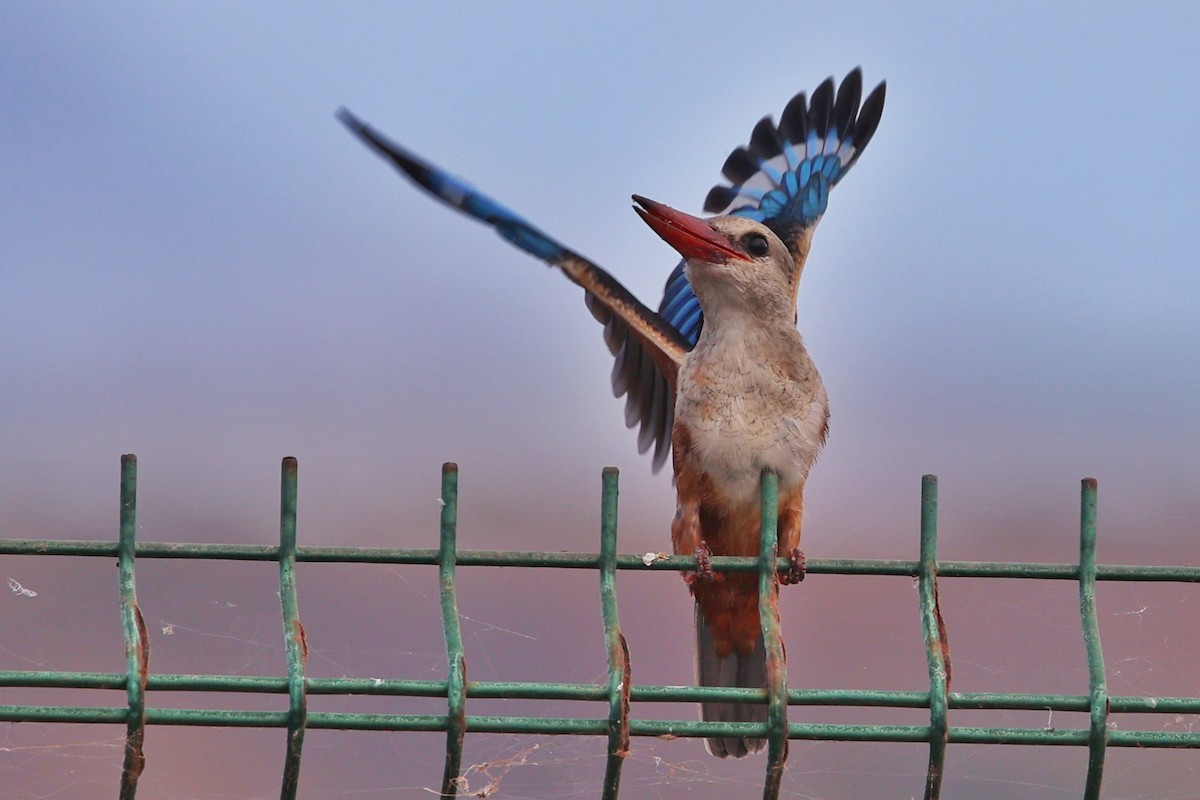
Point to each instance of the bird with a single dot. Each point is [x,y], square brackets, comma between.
[748,398]
[718,378]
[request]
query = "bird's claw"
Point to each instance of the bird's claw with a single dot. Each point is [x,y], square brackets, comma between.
[798,565]
[704,569]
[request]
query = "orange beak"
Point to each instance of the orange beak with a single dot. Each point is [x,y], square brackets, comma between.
[691,236]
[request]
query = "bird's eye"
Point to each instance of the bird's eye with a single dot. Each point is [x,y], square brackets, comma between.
[756,244]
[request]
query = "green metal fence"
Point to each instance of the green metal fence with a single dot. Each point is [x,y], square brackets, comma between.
[618,693]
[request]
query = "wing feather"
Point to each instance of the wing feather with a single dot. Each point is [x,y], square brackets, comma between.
[783,176]
[647,349]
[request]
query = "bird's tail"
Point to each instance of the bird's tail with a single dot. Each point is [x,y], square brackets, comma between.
[749,671]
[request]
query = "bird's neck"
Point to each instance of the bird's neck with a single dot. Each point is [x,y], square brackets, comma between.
[746,330]
[739,310]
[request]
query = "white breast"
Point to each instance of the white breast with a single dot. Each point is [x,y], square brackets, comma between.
[751,404]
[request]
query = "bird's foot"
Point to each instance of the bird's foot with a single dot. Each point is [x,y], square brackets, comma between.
[704,570]
[795,572]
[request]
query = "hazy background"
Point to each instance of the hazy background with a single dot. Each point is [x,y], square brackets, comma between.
[201,267]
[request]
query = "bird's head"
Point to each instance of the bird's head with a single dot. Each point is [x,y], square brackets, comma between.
[735,265]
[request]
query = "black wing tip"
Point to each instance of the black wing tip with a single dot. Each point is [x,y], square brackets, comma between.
[820,107]
[832,106]
[347,118]
[740,165]
[845,107]
[764,140]
[830,102]
[853,78]
[408,163]
[840,109]
[869,117]
[719,198]
[880,92]
[793,122]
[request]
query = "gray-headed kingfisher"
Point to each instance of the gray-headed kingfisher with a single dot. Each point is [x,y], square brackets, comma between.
[718,377]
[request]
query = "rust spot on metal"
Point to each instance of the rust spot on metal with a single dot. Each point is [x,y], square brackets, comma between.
[135,761]
[135,757]
[298,632]
[943,639]
[622,658]
[143,645]
[934,778]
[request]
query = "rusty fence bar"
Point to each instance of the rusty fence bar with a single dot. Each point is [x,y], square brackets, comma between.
[618,693]
[137,646]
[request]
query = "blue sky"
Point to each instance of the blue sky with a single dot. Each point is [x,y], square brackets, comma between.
[202,267]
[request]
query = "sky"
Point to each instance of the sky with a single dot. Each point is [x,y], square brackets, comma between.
[200,266]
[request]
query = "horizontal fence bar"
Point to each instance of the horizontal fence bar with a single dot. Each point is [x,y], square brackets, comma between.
[1101,729]
[598,726]
[661,561]
[589,692]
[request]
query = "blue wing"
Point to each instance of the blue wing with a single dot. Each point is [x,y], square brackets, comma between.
[457,193]
[783,176]
[647,351]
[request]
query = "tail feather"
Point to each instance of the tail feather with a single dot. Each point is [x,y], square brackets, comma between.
[748,671]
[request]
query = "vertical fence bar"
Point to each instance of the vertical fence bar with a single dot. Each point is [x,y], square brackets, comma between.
[293,630]
[456,663]
[618,650]
[768,611]
[137,649]
[1097,684]
[937,651]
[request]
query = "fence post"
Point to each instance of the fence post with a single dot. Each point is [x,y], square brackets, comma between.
[137,648]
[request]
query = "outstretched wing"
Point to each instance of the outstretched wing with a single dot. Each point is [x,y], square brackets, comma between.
[783,176]
[647,349]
